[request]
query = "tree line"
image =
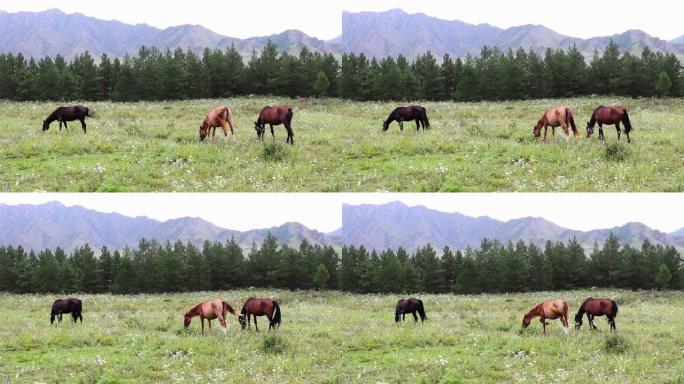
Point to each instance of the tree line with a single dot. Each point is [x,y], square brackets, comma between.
[493,75]
[155,267]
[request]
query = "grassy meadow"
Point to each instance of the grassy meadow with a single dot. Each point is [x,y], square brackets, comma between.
[339,146]
[333,337]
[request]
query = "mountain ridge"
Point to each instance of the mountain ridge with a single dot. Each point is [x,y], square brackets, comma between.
[390,225]
[376,34]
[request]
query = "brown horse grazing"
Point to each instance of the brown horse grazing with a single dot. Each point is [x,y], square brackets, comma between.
[401,114]
[412,306]
[64,114]
[554,117]
[260,307]
[609,116]
[275,116]
[70,305]
[548,310]
[210,310]
[597,307]
[219,117]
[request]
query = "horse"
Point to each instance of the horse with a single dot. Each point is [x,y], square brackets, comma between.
[219,117]
[210,310]
[401,114]
[548,310]
[64,114]
[609,116]
[70,305]
[260,307]
[274,116]
[597,307]
[411,305]
[554,117]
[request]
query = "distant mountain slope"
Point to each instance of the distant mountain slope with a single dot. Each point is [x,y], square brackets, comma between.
[54,225]
[53,32]
[394,224]
[377,34]
[395,32]
[377,227]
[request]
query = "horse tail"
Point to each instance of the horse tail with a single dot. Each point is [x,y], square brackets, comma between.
[426,122]
[421,310]
[614,312]
[626,122]
[79,310]
[230,309]
[289,115]
[89,113]
[571,120]
[276,311]
[229,118]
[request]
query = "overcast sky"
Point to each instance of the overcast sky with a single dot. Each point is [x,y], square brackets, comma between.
[321,211]
[578,18]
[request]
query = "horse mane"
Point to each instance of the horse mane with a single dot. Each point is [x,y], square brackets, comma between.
[536,310]
[53,116]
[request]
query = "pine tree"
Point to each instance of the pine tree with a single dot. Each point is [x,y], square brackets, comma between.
[321,277]
[663,277]
[322,84]
[663,85]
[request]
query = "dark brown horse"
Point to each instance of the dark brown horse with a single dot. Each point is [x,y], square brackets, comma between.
[275,116]
[260,307]
[70,305]
[548,310]
[609,116]
[597,307]
[210,310]
[411,306]
[64,114]
[401,114]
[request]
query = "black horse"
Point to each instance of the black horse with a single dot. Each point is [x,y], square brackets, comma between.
[69,305]
[412,306]
[64,114]
[401,114]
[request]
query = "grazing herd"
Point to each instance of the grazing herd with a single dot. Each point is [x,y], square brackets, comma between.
[218,309]
[223,117]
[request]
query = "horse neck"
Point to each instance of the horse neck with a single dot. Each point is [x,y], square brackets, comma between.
[53,116]
[536,311]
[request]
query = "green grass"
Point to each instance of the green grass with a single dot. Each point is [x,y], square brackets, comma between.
[332,337]
[339,146]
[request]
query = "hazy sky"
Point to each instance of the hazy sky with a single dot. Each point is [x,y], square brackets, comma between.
[578,18]
[321,211]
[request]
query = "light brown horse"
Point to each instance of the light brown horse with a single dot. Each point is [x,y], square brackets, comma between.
[274,116]
[555,117]
[260,307]
[210,310]
[219,117]
[597,307]
[548,310]
[609,116]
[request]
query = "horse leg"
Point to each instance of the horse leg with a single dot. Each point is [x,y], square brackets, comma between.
[546,129]
[65,125]
[415,318]
[255,324]
[290,134]
[543,321]
[60,317]
[617,127]
[401,125]
[272,133]
[601,136]
[418,125]
[83,125]
[270,322]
